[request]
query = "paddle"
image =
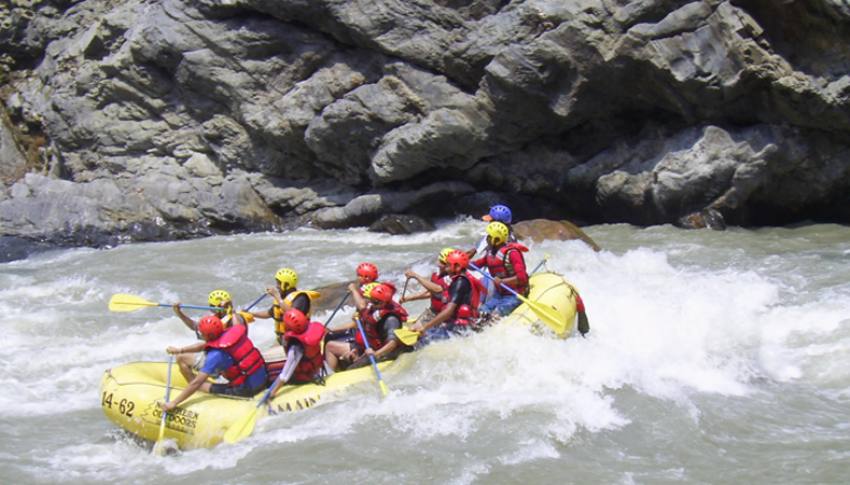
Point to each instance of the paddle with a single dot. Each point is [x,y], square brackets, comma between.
[258,300]
[341,302]
[157,447]
[409,337]
[549,315]
[383,386]
[244,426]
[541,263]
[122,302]
[404,289]
[328,321]
[406,336]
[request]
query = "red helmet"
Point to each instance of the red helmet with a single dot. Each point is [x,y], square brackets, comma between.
[295,321]
[457,260]
[210,327]
[368,271]
[382,293]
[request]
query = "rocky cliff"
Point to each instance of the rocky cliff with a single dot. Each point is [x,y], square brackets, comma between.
[157,119]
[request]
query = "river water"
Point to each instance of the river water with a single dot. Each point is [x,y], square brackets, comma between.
[714,357]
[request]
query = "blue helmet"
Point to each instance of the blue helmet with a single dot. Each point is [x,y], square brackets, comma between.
[499,213]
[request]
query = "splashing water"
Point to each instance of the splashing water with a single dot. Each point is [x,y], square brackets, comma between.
[713,357]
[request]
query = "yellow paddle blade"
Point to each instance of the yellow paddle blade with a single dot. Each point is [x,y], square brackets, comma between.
[547,315]
[242,428]
[163,447]
[384,389]
[407,337]
[122,302]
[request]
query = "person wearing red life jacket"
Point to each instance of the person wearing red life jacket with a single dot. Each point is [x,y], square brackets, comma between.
[366,273]
[229,353]
[380,316]
[341,339]
[303,344]
[498,213]
[506,264]
[192,362]
[436,287]
[461,310]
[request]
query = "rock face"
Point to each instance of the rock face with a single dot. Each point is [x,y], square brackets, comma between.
[145,119]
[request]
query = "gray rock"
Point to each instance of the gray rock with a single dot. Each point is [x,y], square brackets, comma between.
[365,209]
[706,218]
[401,224]
[176,118]
[13,163]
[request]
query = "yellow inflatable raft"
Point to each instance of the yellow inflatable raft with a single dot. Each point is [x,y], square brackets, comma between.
[548,290]
[128,393]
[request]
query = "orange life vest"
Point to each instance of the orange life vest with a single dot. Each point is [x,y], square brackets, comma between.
[247,359]
[312,360]
[371,323]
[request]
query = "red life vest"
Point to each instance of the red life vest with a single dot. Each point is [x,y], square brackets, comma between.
[312,360]
[500,266]
[247,359]
[465,313]
[439,301]
[371,323]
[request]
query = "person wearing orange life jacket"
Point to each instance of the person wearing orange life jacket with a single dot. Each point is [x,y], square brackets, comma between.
[506,264]
[436,287]
[231,354]
[191,362]
[461,310]
[285,295]
[303,344]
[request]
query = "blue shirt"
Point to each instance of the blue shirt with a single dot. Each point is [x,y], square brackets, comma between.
[218,361]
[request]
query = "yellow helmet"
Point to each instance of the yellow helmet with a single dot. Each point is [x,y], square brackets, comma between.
[287,277]
[367,290]
[445,252]
[218,298]
[498,233]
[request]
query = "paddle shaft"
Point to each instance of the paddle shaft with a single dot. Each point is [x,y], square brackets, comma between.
[194,307]
[371,357]
[541,263]
[404,288]
[341,302]
[542,312]
[167,397]
[487,275]
[266,396]
[258,300]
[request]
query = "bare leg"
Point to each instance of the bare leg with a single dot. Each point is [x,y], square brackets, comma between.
[334,350]
[331,360]
[186,363]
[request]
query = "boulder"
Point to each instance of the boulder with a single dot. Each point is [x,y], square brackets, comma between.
[401,224]
[706,218]
[539,230]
